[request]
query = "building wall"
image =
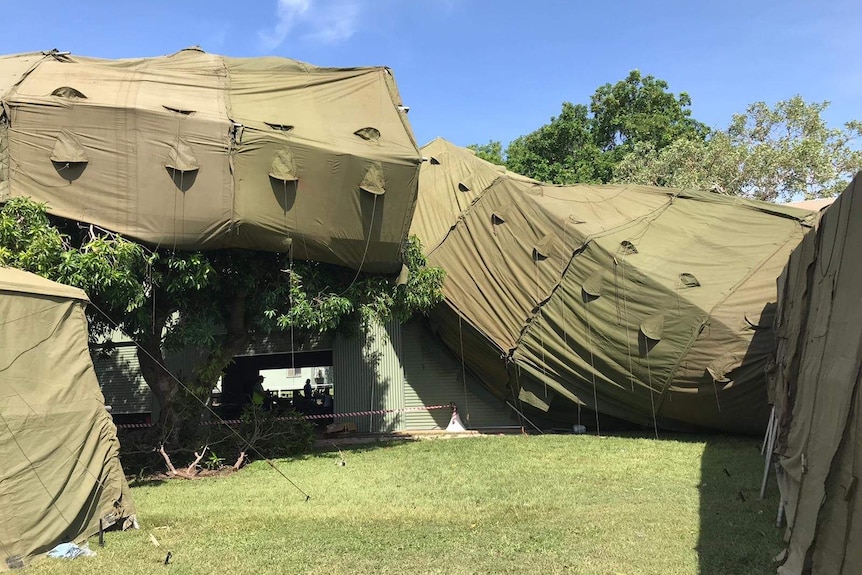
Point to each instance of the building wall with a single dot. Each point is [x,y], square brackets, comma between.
[389,368]
[396,366]
[120,379]
[367,376]
[433,376]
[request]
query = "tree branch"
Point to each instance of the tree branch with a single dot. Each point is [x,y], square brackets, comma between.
[171,469]
[192,468]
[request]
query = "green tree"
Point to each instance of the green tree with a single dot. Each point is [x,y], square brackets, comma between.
[777,153]
[216,301]
[561,152]
[641,109]
[584,144]
[490,152]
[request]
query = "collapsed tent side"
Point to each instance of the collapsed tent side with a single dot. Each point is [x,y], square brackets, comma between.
[651,305]
[815,388]
[665,321]
[61,474]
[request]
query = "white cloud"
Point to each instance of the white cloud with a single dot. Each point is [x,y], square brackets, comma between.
[323,21]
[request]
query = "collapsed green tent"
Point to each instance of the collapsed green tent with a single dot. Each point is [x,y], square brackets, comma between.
[816,388]
[650,305]
[200,151]
[60,472]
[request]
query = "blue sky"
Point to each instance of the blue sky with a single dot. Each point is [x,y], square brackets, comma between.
[477,70]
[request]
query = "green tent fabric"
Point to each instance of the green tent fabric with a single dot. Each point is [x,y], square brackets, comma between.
[60,472]
[816,388]
[618,299]
[196,150]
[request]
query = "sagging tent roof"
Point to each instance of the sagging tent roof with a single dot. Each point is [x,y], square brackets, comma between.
[622,299]
[438,207]
[813,205]
[816,388]
[201,151]
[60,471]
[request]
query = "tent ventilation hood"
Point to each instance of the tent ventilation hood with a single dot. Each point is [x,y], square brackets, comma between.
[283,167]
[181,158]
[67,150]
[368,133]
[374,182]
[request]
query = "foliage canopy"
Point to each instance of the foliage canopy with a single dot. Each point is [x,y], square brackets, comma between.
[216,301]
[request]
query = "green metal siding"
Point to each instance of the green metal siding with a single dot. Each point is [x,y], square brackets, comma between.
[367,376]
[123,386]
[433,376]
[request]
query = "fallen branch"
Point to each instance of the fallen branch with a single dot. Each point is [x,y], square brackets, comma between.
[171,469]
[192,468]
[189,472]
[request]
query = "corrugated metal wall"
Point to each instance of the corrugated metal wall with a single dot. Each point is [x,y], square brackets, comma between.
[432,376]
[123,386]
[367,375]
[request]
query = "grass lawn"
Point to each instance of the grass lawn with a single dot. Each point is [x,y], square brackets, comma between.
[513,504]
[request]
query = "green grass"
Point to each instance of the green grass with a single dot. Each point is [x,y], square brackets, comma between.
[515,504]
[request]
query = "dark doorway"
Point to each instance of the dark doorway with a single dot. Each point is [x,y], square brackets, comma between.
[241,376]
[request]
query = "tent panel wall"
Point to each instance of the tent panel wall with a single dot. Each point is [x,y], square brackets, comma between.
[816,388]
[200,151]
[647,291]
[60,471]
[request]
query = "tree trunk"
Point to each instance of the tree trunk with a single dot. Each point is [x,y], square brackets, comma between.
[161,382]
[152,361]
[164,385]
[236,339]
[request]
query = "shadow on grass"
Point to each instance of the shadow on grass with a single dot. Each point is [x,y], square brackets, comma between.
[146,482]
[737,529]
[333,445]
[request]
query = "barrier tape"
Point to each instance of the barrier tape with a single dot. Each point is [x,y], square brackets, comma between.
[314,416]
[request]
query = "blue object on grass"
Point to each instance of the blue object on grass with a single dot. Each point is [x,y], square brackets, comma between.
[70,551]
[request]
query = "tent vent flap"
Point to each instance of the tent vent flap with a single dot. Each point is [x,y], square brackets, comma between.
[374,183]
[181,157]
[368,133]
[283,166]
[67,150]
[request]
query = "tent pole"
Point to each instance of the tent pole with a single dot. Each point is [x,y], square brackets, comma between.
[771,433]
[768,428]
[524,417]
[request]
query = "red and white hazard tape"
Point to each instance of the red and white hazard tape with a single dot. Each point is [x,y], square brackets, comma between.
[316,416]
[374,412]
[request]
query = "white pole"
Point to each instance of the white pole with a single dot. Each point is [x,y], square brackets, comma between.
[772,432]
[768,429]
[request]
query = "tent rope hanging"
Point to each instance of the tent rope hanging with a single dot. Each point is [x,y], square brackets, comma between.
[622,264]
[538,319]
[651,393]
[365,251]
[463,369]
[592,366]
[290,267]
